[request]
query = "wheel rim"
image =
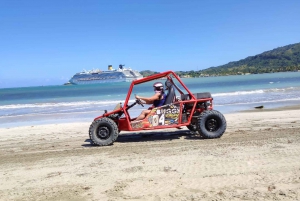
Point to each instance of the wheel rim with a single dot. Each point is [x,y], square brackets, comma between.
[103,133]
[212,125]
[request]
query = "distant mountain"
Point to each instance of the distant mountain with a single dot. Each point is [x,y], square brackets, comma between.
[286,58]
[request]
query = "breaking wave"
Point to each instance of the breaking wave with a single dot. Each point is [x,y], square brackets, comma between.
[236,93]
[259,91]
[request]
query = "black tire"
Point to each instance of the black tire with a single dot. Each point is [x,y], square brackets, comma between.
[211,124]
[103,132]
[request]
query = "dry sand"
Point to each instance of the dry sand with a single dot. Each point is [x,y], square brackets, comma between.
[258,158]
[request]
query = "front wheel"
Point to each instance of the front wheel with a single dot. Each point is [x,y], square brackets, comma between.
[103,132]
[211,124]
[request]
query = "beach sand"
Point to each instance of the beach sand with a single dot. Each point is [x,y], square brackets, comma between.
[258,158]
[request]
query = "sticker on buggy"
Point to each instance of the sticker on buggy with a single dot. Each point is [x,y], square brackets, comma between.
[166,115]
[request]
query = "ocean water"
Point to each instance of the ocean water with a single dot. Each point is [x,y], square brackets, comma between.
[55,104]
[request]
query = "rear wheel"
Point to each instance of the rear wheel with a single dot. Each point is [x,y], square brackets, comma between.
[103,132]
[211,124]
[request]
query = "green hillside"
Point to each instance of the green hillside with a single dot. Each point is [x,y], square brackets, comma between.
[281,59]
[146,73]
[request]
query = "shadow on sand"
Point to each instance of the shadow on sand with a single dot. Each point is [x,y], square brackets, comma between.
[153,136]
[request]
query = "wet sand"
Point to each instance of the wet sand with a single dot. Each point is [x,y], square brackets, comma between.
[258,158]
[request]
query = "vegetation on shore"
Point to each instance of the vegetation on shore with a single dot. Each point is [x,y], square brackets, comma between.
[147,73]
[282,59]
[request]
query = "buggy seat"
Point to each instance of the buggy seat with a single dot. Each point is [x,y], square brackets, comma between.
[171,96]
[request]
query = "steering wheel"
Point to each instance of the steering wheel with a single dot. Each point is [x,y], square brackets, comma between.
[138,101]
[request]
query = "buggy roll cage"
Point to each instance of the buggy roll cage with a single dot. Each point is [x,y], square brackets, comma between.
[166,74]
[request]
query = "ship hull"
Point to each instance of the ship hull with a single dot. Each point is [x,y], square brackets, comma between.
[102,81]
[105,77]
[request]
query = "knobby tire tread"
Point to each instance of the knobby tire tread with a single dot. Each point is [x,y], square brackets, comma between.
[201,124]
[96,124]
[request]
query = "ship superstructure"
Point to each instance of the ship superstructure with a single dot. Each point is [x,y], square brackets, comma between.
[111,75]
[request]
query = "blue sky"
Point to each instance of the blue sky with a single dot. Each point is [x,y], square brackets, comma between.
[46,42]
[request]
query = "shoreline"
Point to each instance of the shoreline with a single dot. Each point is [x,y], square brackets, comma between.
[282,108]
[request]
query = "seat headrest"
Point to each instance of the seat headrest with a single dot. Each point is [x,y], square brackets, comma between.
[168,84]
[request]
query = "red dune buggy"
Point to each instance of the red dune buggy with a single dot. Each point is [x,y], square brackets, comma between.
[192,110]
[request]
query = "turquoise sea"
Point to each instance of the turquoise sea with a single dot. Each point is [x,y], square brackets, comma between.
[55,104]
